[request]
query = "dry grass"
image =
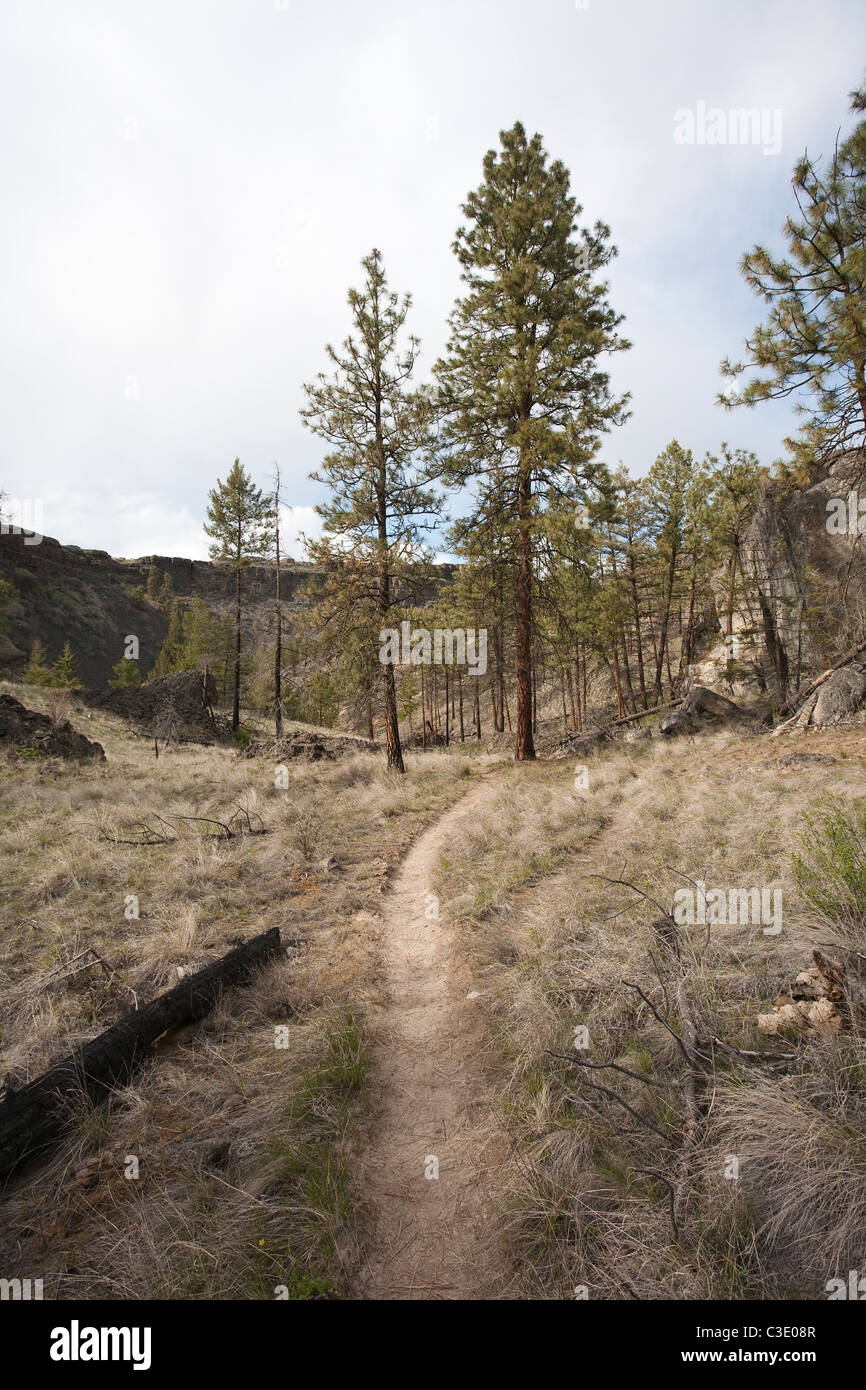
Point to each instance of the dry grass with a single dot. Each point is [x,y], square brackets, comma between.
[247,1151]
[243,1147]
[588,1194]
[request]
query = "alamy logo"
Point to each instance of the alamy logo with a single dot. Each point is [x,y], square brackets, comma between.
[707,907]
[446,646]
[854,1287]
[20,1289]
[739,126]
[77,1343]
[26,518]
[846,516]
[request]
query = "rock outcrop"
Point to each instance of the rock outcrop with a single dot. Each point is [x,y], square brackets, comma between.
[802,586]
[25,733]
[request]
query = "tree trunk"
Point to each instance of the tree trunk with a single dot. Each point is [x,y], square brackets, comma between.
[525,750]
[34,1118]
[571,699]
[620,707]
[732,590]
[663,635]
[236,704]
[278,648]
[392,727]
[632,567]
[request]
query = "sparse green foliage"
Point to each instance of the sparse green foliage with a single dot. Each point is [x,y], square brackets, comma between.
[830,870]
[38,672]
[814,338]
[376,427]
[126,674]
[64,672]
[240,524]
[8,595]
[154,582]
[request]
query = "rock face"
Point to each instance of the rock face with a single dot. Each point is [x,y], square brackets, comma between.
[177,706]
[25,733]
[802,583]
[86,597]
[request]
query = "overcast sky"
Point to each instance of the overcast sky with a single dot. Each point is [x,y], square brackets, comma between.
[189,187]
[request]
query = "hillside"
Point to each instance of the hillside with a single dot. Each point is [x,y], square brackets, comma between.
[83,597]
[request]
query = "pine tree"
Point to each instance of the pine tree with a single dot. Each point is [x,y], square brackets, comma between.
[737,475]
[38,672]
[166,590]
[667,482]
[126,675]
[631,528]
[521,388]
[278,614]
[171,655]
[63,672]
[241,529]
[375,426]
[154,581]
[814,338]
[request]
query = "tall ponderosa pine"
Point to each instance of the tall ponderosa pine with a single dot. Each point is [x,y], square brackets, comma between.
[667,483]
[376,427]
[240,525]
[278,615]
[814,338]
[520,385]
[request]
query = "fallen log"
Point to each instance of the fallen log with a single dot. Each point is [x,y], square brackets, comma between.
[645,713]
[33,1118]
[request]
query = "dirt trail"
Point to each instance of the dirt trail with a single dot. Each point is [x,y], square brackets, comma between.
[429,1235]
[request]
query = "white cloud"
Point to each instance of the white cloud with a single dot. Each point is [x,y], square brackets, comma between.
[189,189]
[145,523]
[295,522]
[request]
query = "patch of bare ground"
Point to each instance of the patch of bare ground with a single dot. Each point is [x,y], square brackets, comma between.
[425,1173]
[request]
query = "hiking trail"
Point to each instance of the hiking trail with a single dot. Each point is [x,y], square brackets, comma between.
[429,1235]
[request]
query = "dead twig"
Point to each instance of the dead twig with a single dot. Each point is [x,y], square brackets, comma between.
[602,1066]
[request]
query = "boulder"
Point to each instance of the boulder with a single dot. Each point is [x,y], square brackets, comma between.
[27,734]
[579,745]
[307,745]
[840,696]
[701,707]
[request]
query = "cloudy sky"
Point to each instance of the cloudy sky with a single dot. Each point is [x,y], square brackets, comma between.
[189,187]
